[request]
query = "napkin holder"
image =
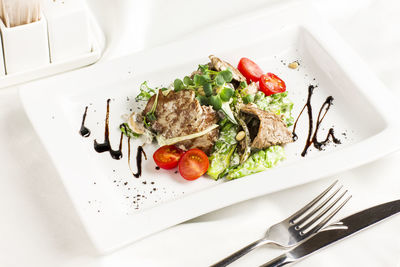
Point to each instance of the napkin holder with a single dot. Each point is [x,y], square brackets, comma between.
[40,49]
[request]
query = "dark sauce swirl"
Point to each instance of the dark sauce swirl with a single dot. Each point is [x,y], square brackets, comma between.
[312,138]
[139,154]
[84,131]
[106,146]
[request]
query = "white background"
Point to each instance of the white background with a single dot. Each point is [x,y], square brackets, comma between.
[39,226]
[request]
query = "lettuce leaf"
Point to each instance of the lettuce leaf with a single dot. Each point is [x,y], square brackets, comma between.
[279,104]
[224,148]
[258,162]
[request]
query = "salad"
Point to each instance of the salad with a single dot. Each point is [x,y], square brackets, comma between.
[219,120]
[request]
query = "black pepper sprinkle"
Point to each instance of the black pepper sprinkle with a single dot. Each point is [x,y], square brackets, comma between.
[176,171]
[144,182]
[152,182]
[115,181]
[125,183]
[154,189]
[157,168]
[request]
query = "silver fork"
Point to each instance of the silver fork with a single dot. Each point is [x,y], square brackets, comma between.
[296,228]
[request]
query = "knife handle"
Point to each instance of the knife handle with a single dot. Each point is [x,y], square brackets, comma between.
[278,261]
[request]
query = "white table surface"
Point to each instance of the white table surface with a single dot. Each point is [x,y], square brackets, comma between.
[39,226]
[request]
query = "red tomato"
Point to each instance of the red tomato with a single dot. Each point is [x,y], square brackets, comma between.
[193,164]
[167,157]
[271,84]
[249,69]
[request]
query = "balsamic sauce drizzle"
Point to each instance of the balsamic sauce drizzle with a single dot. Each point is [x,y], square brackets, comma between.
[84,131]
[139,154]
[106,146]
[312,135]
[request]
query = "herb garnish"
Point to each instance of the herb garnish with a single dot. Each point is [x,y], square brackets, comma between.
[151,115]
[145,92]
[125,129]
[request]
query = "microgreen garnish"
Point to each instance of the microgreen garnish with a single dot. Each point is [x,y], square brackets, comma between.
[211,88]
[151,115]
[125,129]
[226,93]
[178,85]
[145,92]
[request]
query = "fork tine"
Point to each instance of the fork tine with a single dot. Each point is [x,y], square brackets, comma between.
[311,204]
[326,210]
[326,220]
[320,206]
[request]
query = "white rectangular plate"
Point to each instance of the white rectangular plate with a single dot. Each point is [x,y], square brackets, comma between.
[117,208]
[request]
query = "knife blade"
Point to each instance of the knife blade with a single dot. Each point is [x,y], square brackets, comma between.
[337,231]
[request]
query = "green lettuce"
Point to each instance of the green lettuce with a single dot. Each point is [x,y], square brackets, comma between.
[224,148]
[258,162]
[279,104]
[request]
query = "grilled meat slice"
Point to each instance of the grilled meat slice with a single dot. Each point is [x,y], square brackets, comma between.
[220,65]
[180,114]
[266,129]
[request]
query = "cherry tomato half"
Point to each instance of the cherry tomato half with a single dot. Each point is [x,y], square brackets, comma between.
[249,69]
[167,157]
[271,84]
[193,164]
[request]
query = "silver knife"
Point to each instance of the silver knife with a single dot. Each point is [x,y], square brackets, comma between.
[337,231]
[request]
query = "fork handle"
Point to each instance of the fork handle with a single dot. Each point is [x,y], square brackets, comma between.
[238,254]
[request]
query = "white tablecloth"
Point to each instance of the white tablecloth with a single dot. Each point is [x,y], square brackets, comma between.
[39,226]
